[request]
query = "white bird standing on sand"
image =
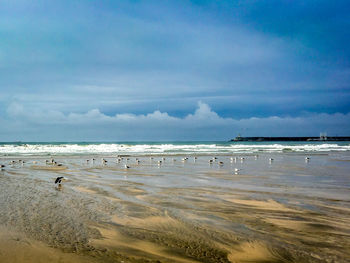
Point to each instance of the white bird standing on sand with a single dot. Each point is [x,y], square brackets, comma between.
[256,157]
[2,166]
[270,160]
[126,166]
[307,159]
[221,163]
[237,170]
[242,159]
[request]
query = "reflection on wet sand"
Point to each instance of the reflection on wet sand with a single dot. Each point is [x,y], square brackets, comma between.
[288,211]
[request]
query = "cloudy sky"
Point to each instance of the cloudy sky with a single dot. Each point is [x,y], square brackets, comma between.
[173,70]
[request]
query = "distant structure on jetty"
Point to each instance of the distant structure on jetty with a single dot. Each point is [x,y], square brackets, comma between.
[323,137]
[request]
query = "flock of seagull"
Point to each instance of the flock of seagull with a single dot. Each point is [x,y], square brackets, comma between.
[126,160]
[214,160]
[127,163]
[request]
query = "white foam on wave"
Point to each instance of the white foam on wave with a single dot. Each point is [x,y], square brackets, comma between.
[168,148]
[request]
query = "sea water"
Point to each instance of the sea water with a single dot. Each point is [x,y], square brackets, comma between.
[166,148]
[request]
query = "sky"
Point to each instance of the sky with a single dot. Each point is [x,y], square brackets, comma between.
[173,70]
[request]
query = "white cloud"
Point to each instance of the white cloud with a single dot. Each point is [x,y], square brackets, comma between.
[203,112]
[203,124]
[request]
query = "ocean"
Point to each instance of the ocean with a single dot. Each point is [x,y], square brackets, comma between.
[166,148]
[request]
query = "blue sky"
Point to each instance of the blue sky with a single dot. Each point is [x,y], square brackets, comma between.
[173,70]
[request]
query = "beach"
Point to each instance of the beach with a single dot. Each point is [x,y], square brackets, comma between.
[265,207]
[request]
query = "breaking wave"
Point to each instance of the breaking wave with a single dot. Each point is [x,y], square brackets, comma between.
[10,149]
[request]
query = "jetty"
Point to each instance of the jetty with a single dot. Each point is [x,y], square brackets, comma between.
[291,139]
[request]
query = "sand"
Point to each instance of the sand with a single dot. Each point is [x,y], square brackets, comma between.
[48,168]
[288,211]
[15,247]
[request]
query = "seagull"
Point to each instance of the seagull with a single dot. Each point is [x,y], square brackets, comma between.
[2,166]
[221,163]
[307,159]
[126,166]
[256,157]
[59,179]
[237,170]
[270,160]
[58,182]
[210,161]
[242,159]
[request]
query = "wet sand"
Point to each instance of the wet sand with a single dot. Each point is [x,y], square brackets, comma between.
[285,211]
